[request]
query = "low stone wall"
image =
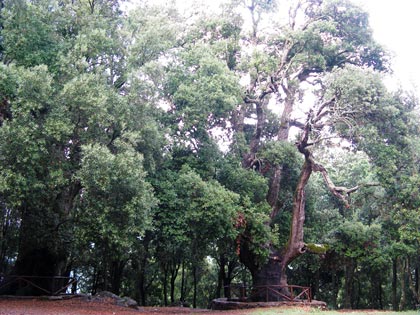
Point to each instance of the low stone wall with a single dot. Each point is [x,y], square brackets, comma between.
[225,304]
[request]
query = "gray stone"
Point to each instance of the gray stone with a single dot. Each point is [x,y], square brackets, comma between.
[130,302]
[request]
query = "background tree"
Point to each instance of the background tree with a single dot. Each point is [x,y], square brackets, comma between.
[59,96]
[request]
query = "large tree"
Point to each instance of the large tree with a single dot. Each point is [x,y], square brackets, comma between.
[319,56]
[325,48]
[67,132]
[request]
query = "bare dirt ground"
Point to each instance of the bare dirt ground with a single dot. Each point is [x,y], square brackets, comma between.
[83,306]
[80,306]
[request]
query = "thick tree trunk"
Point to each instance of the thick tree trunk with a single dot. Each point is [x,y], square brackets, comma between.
[273,191]
[183,283]
[270,274]
[403,298]
[44,237]
[43,253]
[195,284]
[394,285]
[348,284]
[376,290]
[334,289]
[174,274]
[165,286]
[117,268]
[141,296]
[221,278]
[274,271]
[282,136]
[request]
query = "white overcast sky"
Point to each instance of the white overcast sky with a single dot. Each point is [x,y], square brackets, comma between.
[396,25]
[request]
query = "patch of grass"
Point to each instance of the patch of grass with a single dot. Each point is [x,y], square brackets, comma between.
[315,311]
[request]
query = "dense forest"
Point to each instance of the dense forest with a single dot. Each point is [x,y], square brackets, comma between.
[166,154]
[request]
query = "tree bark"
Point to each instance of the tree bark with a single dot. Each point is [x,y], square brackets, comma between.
[117,268]
[6,236]
[141,297]
[227,279]
[416,280]
[274,271]
[174,274]
[183,283]
[165,286]
[249,159]
[394,285]
[376,289]
[403,297]
[296,245]
[42,252]
[274,189]
[195,283]
[412,283]
[334,288]
[222,282]
[270,274]
[348,283]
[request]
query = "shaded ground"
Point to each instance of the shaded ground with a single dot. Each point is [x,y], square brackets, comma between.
[82,306]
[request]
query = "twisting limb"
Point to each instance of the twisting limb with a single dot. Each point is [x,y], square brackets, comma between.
[322,111]
[296,245]
[340,192]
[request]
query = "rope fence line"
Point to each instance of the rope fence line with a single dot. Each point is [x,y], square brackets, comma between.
[291,293]
[54,285]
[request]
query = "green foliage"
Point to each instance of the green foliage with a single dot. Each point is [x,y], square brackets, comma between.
[247,183]
[203,92]
[354,239]
[408,227]
[30,38]
[147,24]
[114,208]
[185,199]
[359,93]
[24,148]
[281,153]
[211,201]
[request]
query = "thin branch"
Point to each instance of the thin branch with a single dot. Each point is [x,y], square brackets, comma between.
[340,192]
[296,123]
[321,113]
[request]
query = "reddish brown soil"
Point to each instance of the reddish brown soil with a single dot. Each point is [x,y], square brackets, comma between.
[80,306]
